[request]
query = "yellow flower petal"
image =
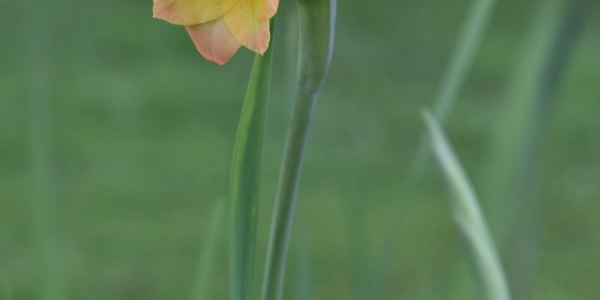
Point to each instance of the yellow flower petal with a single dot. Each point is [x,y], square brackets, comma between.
[191,12]
[214,41]
[248,21]
[271,8]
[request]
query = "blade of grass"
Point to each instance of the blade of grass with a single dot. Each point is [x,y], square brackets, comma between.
[245,178]
[514,130]
[316,20]
[463,55]
[462,58]
[524,249]
[204,269]
[468,216]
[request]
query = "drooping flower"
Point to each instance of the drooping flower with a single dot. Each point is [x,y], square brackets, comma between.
[219,28]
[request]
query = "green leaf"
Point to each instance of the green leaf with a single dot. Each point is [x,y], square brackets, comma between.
[245,178]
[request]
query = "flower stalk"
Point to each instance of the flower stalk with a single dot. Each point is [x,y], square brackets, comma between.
[316,25]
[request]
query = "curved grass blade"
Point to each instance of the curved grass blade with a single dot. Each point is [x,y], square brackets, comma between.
[245,178]
[201,290]
[463,55]
[468,217]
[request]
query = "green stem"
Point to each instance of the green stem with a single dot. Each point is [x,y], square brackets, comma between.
[316,19]
[468,216]
[245,178]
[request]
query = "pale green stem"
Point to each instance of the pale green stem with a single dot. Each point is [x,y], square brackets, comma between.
[245,179]
[462,58]
[469,218]
[316,19]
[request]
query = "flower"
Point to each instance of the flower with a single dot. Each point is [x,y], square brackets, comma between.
[219,28]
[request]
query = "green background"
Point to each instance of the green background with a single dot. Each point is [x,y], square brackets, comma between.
[139,133]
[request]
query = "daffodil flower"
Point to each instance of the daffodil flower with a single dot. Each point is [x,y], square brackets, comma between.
[220,27]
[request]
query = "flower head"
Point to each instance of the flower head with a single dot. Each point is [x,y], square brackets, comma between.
[220,27]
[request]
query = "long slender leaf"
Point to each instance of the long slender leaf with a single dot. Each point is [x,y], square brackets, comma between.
[245,178]
[468,216]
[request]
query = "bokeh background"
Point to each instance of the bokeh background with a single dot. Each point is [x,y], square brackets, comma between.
[114,130]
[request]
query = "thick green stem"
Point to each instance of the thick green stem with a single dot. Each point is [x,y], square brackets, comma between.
[316,18]
[245,178]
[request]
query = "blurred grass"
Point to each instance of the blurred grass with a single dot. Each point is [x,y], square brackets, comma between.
[523,245]
[144,131]
[465,51]
[205,268]
[513,131]
[468,217]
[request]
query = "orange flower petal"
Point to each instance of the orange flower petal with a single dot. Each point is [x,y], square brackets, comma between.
[191,12]
[214,41]
[248,21]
